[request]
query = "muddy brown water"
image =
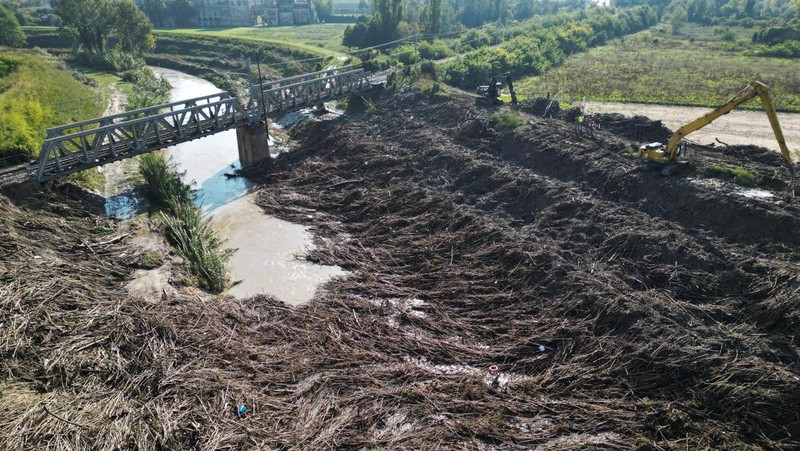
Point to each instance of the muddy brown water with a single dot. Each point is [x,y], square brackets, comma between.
[739,127]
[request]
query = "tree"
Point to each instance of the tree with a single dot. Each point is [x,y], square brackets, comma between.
[389,13]
[499,12]
[433,16]
[182,11]
[155,11]
[91,21]
[11,33]
[324,8]
[134,30]
[679,17]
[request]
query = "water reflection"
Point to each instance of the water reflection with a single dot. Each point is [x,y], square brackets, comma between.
[124,205]
[205,162]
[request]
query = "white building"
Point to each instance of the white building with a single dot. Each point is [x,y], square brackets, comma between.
[223,13]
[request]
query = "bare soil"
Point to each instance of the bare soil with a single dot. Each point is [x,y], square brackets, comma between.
[506,289]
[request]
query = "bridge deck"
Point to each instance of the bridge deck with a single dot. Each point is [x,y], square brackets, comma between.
[82,145]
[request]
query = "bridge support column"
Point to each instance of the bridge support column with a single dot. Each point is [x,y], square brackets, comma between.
[253,143]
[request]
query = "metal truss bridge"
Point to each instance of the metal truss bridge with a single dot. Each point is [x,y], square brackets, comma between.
[75,147]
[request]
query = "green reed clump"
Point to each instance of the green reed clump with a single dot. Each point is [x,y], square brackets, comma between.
[185,226]
[163,183]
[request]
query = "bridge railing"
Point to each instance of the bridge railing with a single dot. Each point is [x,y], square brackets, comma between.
[267,85]
[65,154]
[134,114]
[75,147]
[259,90]
[313,92]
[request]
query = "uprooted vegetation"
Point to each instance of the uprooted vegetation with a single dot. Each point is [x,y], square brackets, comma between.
[621,309]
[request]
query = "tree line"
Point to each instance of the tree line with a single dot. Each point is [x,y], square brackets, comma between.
[394,19]
[545,42]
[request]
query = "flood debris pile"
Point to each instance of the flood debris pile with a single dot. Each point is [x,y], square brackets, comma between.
[506,289]
[623,308]
[637,128]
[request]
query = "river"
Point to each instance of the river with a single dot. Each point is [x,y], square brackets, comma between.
[268,251]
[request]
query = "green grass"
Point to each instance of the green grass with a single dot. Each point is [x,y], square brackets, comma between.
[185,227]
[64,98]
[323,39]
[104,81]
[741,176]
[697,68]
[35,96]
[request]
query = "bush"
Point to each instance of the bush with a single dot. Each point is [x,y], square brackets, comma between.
[729,36]
[8,64]
[789,49]
[21,128]
[534,49]
[195,240]
[148,92]
[406,54]
[117,62]
[434,50]
[163,185]
[508,120]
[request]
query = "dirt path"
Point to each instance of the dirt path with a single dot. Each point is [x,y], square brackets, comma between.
[739,127]
[116,180]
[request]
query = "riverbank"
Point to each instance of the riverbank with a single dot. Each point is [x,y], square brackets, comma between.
[266,250]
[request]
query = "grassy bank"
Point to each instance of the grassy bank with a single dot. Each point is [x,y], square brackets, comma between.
[35,95]
[325,39]
[221,60]
[704,66]
[217,55]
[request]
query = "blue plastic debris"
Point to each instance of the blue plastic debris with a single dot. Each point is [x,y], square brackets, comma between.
[241,410]
[541,348]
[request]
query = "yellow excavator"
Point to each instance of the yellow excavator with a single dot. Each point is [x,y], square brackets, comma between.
[674,150]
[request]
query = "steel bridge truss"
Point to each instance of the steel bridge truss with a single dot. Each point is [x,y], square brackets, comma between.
[64,154]
[75,147]
[309,92]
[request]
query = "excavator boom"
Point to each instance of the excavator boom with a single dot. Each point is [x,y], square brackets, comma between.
[755,88]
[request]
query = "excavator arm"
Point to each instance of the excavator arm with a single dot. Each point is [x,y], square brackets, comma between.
[755,88]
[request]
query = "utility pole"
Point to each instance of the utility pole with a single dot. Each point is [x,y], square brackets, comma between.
[261,93]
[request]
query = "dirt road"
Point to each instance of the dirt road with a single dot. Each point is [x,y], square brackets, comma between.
[739,127]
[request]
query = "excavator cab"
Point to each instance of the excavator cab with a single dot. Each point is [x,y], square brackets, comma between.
[657,152]
[494,90]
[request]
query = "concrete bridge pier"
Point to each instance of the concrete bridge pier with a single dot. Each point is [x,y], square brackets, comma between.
[253,143]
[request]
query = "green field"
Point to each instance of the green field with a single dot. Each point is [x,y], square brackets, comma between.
[703,66]
[34,96]
[321,38]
